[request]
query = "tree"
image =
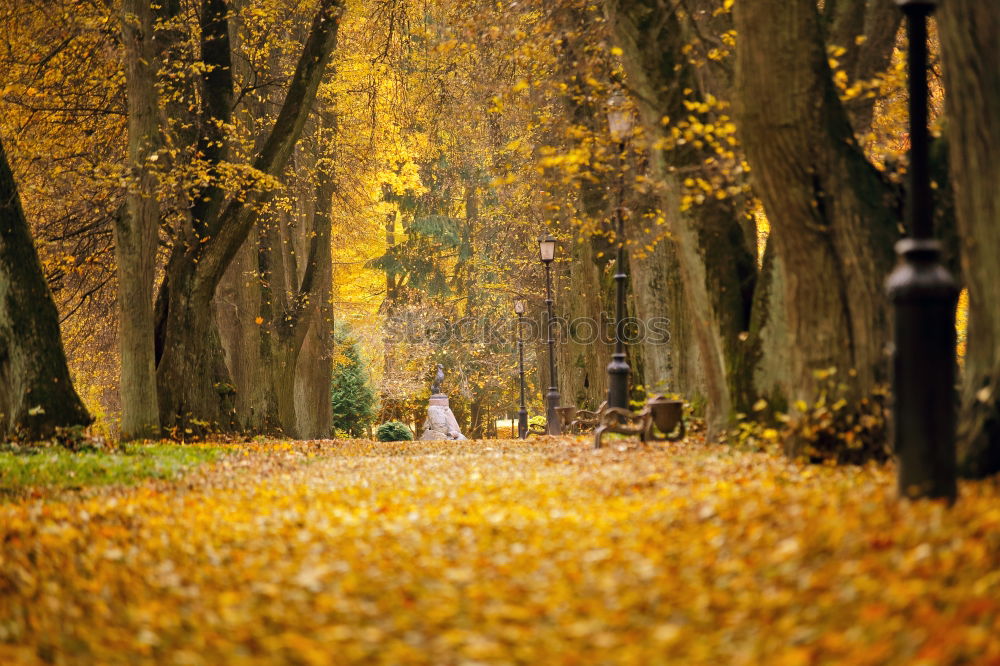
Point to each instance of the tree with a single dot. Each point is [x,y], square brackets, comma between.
[815,300]
[709,247]
[972,83]
[833,217]
[351,394]
[62,115]
[191,372]
[36,392]
[137,228]
[314,360]
[583,284]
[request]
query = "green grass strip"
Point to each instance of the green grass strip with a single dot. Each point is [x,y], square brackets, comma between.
[54,467]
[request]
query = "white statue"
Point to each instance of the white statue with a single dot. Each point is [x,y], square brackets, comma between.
[441,422]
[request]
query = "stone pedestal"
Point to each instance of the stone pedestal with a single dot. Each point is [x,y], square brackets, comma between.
[440,423]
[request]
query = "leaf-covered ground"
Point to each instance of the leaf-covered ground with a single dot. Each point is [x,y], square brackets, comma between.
[502,552]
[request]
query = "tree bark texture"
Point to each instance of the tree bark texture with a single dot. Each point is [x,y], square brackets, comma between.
[582,347]
[672,361]
[36,393]
[217,97]
[313,378]
[968,32]
[315,364]
[237,307]
[766,352]
[477,418]
[830,212]
[136,231]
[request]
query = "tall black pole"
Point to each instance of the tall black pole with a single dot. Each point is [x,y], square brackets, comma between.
[618,368]
[924,296]
[920,201]
[552,396]
[522,413]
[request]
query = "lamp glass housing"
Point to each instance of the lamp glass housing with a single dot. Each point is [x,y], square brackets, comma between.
[547,248]
[619,116]
[519,307]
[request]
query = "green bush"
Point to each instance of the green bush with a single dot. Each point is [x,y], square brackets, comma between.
[393,431]
[537,421]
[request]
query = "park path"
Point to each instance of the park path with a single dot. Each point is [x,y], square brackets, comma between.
[502,552]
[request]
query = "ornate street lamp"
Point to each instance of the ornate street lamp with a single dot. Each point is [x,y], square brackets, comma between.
[924,297]
[522,413]
[620,125]
[547,252]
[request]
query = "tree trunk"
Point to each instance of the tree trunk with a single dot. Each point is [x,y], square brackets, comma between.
[293,300]
[193,383]
[766,352]
[582,289]
[36,393]
[314,375]
[582,348]
[715,261]
[968,32]
[315,365]
[672,358]
[188,371]
[237,306]
[476,420]
[274,354]
[237,300]
[830,212]
[137,229]
[283,380]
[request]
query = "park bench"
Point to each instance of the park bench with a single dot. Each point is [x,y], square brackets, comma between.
[659,413]
[576,421]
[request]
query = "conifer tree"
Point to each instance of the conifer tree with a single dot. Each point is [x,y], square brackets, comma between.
[351,395]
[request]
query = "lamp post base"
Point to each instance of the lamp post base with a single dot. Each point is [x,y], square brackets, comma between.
[618,375]
[553,426]
[923,295]
[522,423]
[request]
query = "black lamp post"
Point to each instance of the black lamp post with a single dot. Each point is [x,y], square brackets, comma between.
[522,413]
[923,296]
[547,252]
[620,124]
